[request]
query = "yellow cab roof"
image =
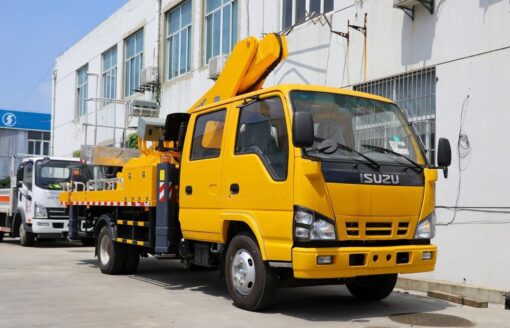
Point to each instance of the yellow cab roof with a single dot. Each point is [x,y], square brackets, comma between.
[286,88]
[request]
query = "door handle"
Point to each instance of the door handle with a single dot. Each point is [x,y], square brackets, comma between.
[188,190]
[234,188]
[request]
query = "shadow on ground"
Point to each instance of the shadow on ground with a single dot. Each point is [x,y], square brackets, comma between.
[46,243]
[322,303]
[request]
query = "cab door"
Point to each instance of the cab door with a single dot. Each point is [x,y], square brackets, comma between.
[258,174]
[25,190]
[201,185]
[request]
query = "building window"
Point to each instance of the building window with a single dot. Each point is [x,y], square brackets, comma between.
[179,40]
[38,143]
[109,75]
[82,82]
[294,11]
[220,27]
[415,93]
[133,61]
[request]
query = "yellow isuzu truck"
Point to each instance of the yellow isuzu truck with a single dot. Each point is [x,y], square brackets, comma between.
[284,186]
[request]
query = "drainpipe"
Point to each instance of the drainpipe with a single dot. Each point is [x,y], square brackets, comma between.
[53,102]
[158,43]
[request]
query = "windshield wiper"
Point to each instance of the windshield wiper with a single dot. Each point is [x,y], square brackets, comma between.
[385,150]
[330,143]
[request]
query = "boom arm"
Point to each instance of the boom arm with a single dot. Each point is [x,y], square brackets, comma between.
[246,69]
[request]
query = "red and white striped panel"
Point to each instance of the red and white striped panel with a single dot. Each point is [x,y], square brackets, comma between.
[134,204]
[161,191]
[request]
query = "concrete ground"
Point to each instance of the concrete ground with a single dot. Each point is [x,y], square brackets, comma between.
[59,285]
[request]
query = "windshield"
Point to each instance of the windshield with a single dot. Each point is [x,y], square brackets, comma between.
[50,173]
[359,129]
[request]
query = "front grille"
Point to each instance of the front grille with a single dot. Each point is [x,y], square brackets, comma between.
[356,229]
[58,213]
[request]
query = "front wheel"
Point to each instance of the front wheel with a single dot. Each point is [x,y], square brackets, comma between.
[25,238]
[251,283]
[372,288]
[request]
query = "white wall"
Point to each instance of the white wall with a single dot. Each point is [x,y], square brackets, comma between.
[464,40]
[69,133]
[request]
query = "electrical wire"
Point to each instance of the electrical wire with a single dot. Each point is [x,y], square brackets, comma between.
[463,152]
[33,89]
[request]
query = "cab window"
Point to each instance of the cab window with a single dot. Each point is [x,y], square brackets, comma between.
[262,131]
[208,135]
[27,175]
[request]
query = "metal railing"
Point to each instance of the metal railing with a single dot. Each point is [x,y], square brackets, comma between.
[92,185]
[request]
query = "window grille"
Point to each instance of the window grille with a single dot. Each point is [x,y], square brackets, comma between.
[415,93]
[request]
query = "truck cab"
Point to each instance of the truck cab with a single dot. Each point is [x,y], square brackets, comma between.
[332,183]
[35,211]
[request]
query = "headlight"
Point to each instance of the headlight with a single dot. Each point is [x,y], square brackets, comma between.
[309,225]
[40,211]
[426,228]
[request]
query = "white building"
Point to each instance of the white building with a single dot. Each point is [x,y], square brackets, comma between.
[448,68]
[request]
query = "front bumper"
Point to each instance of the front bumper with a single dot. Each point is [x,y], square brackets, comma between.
[361,261]
[42,226]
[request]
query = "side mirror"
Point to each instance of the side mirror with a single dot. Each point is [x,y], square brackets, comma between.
[182,133]
[19,184]
[444,155]
[302,129]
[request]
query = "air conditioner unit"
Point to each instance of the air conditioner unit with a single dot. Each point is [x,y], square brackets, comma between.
[216,65]
[149,75]
[405,3]
[143,108]
[408,6]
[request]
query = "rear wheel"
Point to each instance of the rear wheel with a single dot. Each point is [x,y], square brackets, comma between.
[372,288]
[250,282]
[25,238]
[110,254]
[1,236]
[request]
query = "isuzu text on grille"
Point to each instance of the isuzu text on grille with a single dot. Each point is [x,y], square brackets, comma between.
[373,178]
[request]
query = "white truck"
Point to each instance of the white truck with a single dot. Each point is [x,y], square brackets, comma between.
[30,209]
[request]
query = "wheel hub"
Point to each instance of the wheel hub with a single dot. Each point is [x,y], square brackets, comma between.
[243,272]
[104,250]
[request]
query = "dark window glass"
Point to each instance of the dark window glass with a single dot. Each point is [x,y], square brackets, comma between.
[34,135]
[31,147]
[287,14]
[46,148]
[315,8]
[328,5]
[262,130]
[208,135]
[38,148]
[300,11]
[46,136]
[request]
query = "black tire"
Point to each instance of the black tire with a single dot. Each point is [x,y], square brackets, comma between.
[88,242]
[132,259]
[110,255]
[26,238]
[372,288]
[258,290]
[1,236]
